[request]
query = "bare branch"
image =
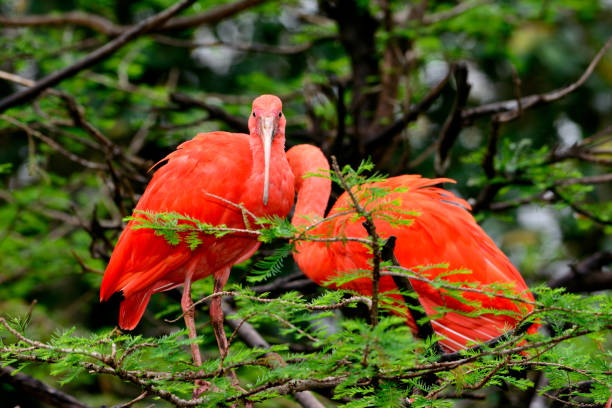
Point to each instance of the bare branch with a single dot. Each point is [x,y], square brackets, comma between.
[246,47]
[289,282]
[412,114]
[53,144]
[597,179]
[586,275]
[132,402]
[107,27]
[211,16]
[237,123]
[77,18]
[488,161]
[84,266]
[215,112]
[452,125]
[509,108]
[580,210]
[94,57]
[36,388]
[76,113]
[453,12]
[487,194]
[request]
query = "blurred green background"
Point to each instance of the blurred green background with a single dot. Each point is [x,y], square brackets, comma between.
[345,70]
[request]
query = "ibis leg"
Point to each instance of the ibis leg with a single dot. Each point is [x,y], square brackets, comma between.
[217,320]
[216,312]
[188,314]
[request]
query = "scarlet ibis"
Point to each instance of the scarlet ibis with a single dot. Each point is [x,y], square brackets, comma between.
[214,177]
[441,232]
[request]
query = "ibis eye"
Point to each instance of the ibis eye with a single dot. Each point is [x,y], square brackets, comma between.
[280,114]
[254,115]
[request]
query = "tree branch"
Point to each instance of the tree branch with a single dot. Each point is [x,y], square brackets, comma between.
[107,27]
[216,113]
[587,275]
[374,240]
[290,282]
[77,18]
[510,107]
[458,355]
[94,57]
[251,336]
[53,144]
[237,123]
[132,402]
[415,307]
[211,16]
[38,389]
[488,193]
[452,125]
[412,114]
[281,49]
[453,12]
[597,179]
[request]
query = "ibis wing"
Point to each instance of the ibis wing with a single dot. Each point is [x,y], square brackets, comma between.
[442,237]
[444,232]
[212,163]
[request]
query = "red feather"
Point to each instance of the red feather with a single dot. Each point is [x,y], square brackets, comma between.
[217,163]
[442,231]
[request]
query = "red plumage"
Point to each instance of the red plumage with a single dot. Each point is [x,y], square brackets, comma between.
[443,231]
[223,164]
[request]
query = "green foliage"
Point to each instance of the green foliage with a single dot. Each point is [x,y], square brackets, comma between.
[5,168]
[388,352]
[60,219]
[270,266]
[379,365]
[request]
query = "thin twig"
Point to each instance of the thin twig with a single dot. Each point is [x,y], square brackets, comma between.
[374,240]
[92,354]
[53,144]
[250,47]
[131,350]
[132,402]
[85,267]
[453,12]
[363,299]
[598,179]
[252,337]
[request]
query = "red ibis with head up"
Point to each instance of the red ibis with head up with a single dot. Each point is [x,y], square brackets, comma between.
[212,178]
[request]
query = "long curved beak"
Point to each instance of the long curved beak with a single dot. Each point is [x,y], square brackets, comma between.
[266,132]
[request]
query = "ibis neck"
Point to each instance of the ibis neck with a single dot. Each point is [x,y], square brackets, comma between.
[312,196]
